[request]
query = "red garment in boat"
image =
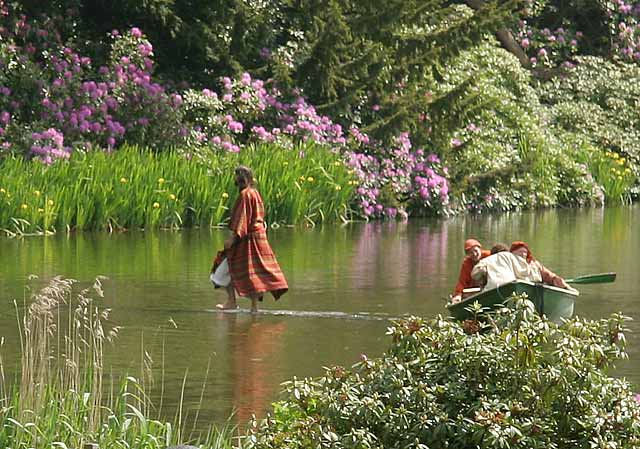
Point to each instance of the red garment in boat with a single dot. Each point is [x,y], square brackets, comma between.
[549,277]
[465,280]
[252,265]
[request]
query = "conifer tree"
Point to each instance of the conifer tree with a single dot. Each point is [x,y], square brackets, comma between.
[374,60]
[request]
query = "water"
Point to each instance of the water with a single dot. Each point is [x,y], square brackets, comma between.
[345,284]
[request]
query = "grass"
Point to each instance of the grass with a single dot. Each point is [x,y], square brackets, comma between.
[60,399]
[135,188]
[613,173]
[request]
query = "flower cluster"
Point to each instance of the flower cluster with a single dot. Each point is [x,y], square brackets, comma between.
[52,86]
[49,146]
[246,110]
[624,20]
[548,48]
[391,180]
[404,181]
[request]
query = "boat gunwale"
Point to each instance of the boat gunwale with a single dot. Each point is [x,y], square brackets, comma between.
[470,299]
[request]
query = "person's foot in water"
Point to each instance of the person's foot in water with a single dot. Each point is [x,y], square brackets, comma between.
[227,306]
[231,300]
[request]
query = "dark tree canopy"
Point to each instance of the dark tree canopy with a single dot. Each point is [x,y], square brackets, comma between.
[350,57]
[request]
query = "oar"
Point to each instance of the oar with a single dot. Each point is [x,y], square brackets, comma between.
[600,278]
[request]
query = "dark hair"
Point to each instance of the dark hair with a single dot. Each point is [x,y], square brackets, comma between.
[498,248]
[246,175]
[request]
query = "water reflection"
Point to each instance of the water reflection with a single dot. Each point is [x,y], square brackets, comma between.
[255,346]
[395,256]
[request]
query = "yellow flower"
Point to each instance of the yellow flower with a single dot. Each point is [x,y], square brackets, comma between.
[40,210]
[123,180]
[156,205]
[285,163]
[302,178]
[50,203]
[310,179]
[225,195]
[337,163]
[627,170]
[36,192]
[172,196]
[24,207]
[338,188]
[3,191]
[160,180]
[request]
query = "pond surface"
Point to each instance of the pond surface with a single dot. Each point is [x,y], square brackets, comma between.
[345,284]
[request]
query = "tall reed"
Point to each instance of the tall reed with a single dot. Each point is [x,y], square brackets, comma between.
[136,188]
[60,399]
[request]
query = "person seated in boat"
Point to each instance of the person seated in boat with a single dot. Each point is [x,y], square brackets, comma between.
[500,268]
[537,271]
[499,248]
[474,253]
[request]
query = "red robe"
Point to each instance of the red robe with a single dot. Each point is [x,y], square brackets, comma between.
[253,266]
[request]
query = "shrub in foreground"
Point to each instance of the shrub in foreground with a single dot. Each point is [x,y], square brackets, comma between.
[520,382]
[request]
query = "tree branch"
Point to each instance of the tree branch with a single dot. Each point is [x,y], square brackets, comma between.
[505,37]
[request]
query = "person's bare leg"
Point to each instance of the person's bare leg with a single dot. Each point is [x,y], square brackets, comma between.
[254,304]
[231,299]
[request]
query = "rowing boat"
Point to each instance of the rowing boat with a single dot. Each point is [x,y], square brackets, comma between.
[554,302]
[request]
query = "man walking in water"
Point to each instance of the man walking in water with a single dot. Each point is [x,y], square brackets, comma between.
[252,267]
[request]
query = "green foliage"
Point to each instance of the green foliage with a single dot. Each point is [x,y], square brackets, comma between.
[497,139]
[612,172]
[590,17]
[138,189]
[576,182]
[374,62]
[598,102]
[306,185]
[427,68]
[194,40]
[598,99]
[521,382]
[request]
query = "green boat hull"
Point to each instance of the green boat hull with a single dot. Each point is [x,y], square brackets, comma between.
[556,303]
